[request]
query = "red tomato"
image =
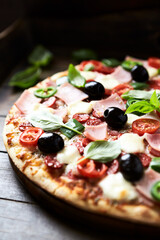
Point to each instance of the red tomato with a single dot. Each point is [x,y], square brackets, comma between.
[122,88]
[154,62]
[108,92]
[98,66]
[93,121]
[158,113]
[89,168]
[52,162]
[154,84]
[30,136]
[145,125]
[145,159]
[81,117]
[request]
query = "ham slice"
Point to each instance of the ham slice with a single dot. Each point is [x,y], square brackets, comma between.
[121,75]
[113,101]
[26,101]
[70,94]
[98,132]
[145,184]
[62,112]
[153,140]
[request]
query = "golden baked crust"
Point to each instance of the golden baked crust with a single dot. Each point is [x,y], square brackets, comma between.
[77,192]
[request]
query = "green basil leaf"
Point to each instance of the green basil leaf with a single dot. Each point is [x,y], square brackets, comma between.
[74,125]
[130,102]
[84,54]
[159,71]
[40,56]
[128,64]
[26,78]
[75,78]
[139,85]
[61,80]
[154,100]
[139,94]
[140,106]
[102,151]
[46,120]
[89,67]
[155,164]
[111,62]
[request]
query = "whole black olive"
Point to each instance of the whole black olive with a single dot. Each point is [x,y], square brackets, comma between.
[139,74]
[131,167]
[95,90]
[50,142]
[115,118]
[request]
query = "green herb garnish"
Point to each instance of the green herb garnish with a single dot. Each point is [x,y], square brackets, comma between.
[45,92]
[111,62]
[72,124]
[155,164]
[139,86]
[84,54]
[139,94]
[75,78]
[155,191]
[128,64]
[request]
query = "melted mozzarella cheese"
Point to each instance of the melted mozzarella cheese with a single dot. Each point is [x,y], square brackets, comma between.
[115,187]
[68,155]
[131,118]
[108,81]
[152,71]
[131,143]
[88,75]
[79,107]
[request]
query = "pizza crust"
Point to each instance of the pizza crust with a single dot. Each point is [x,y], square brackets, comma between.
[63,187]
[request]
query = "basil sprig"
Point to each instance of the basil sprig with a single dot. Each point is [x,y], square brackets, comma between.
[139,94]
[73,124]
[111,62]
[128,64]
[26,78]
[50,122]
[145,106]
[40,56]
[155,164]
[102,151]
[139,85]
[75,78]
[84,54]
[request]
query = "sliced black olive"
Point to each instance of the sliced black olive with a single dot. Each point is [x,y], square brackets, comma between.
[131,167]
[139,74]
[50,142]
[95,90]
[115,118]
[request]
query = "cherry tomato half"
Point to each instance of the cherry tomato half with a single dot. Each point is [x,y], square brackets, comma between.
[122,88]
[154,62]
[154,84]
[30,136]
[145,125]
[96,66]
[89,168]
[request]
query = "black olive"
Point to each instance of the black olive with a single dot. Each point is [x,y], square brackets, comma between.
[95,90]
[115,117]
[50,142]
[139,74]
[131,167]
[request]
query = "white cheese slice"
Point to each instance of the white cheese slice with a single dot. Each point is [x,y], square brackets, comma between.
[152,71]
[72,167]
[131,118]
[79,107]
[88,75]
[131,143]
[108,81]
[68,155]
[115,187]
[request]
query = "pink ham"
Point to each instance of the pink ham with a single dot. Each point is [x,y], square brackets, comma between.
[121,75]
[153,140]
[26,101]
[113,101]
[70,94]
[129,58]
[98,132]
[145,184]
[60,112]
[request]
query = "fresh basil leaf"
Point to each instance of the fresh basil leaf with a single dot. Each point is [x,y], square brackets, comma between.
[75,78]
[140,106]
[155,164]
[139,85]
[128,64]
[159,71]
[45,120]
[61,80]
[84,54]
[130,102]
[40,56]
[111,62]
[139,94]
[102,151]
[27,78]
[154,100]
[89,67]
[73,124]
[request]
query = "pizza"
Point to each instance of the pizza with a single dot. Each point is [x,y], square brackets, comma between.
[91,137]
